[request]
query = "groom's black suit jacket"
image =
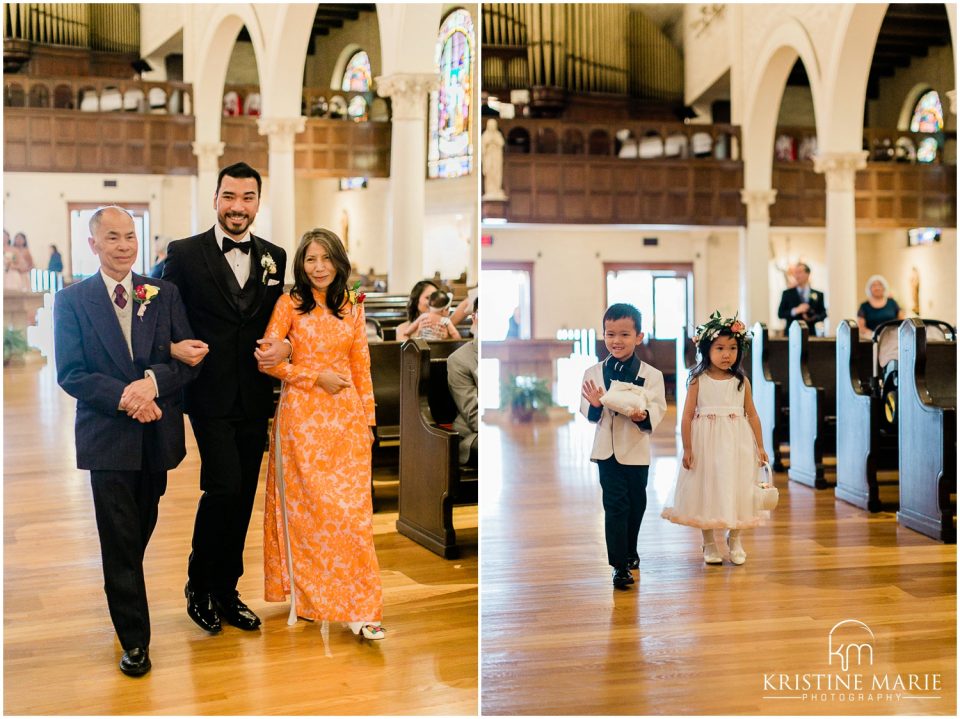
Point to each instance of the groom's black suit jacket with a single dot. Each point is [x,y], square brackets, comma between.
[230,322]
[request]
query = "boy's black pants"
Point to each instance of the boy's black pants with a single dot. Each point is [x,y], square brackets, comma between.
[624,502]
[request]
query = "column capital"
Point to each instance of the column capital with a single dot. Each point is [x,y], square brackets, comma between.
[280,131]
[407,92]
[952,94]
[207,153]
[839,168]
[758,204]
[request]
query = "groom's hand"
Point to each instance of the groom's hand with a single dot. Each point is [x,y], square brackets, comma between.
[137,394]
[271,352]
[190,352]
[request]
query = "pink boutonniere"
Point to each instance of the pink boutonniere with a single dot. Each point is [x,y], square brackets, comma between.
[142,294]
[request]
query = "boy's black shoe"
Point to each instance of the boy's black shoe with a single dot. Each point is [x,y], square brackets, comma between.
[634,563]
[621,577]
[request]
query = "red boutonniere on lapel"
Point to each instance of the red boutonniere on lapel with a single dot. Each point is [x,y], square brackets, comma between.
[142,294]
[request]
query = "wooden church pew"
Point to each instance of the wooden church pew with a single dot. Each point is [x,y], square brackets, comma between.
[431,478]
[862,449]
[770,378]
[927,412]
[813,378]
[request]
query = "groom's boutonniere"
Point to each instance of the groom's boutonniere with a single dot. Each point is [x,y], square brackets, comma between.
[268,265]
[142,294]
[813,294]
[355,296]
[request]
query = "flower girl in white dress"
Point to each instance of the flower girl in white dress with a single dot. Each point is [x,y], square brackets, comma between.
[722,444]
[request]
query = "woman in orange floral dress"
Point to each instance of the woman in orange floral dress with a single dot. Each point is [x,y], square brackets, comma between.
[318,519]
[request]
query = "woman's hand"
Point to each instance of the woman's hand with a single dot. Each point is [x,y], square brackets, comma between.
[687,459]
[638,415]
[762,457]
[333,382]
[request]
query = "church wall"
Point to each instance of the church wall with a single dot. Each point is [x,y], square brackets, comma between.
[242,69]
[936,70]
[158,23]
[364,32]
[707,55]
[36,204]
[796,109]
[568,279]
[449,222]
[886,253]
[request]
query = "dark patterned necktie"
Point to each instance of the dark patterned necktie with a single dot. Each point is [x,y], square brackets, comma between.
[120,296]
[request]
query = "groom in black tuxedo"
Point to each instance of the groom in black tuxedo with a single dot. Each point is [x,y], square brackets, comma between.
[230,281]
[114,332]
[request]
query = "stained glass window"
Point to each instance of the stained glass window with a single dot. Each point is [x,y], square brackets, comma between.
[450,152]
[928,113]
[357,74]
[927,150]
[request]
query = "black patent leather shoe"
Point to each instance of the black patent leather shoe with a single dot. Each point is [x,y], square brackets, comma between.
[235,612]
[135,662]
[634,563]
[201,609]
[622,577]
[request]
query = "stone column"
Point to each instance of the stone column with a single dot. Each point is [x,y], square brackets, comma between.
[408,93]
[839,169]
[208,167]
[952,95]
[281,226]
[755,257]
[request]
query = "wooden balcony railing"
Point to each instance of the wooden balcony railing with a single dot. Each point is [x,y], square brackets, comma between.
[621,173]
[670,173]
[97,94]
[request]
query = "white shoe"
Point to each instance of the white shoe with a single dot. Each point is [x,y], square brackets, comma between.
[368,630]
[711,555]
[737,555]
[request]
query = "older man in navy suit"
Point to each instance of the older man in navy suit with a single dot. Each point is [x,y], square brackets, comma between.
[113,333]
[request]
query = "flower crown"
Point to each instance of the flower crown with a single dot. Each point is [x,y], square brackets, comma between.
[712,327]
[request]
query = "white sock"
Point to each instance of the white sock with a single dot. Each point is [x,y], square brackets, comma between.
[708,537]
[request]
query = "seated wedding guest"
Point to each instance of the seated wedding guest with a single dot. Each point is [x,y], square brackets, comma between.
[160,259]
[318,545]
[802,302]
[462,380]
[416,306]
[113,334]
[879,306]
[56,260]
[435,324]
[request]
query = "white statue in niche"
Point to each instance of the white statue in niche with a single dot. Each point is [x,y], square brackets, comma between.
[492,143]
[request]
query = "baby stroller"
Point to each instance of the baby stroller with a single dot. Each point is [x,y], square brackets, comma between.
[886,346]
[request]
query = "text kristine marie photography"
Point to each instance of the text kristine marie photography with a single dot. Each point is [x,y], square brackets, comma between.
[851,677]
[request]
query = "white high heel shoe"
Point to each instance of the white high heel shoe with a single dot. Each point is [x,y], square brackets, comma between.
[369,630]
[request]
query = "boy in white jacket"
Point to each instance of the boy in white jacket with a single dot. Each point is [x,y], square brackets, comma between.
[621,447]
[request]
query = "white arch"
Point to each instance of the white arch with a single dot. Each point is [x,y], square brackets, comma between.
[281,80]
[785,44]
[215,48]
[846,78]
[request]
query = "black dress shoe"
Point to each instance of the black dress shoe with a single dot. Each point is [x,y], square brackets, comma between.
[621,577]
[200,608]
[634,563]
[235,612]
[135,662]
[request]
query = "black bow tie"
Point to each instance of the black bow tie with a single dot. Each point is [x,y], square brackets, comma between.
[229,244]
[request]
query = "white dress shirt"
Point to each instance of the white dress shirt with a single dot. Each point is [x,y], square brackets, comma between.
[239,261]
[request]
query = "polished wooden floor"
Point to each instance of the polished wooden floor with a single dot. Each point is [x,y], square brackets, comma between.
[690,638]
[60,651]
